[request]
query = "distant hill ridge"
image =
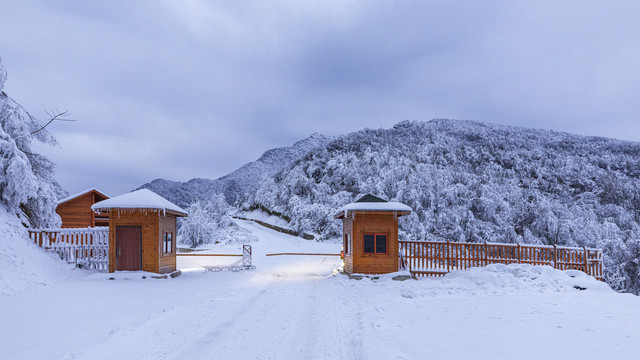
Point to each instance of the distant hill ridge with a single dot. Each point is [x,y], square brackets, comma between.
[245,179]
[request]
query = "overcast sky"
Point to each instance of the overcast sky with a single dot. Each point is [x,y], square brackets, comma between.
[184,89]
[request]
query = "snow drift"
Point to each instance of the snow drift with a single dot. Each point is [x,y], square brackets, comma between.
[23,265]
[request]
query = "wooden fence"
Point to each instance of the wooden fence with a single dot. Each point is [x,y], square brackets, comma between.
[86,247]
[433,258]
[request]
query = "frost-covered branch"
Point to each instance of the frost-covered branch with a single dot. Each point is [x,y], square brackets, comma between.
[53,116]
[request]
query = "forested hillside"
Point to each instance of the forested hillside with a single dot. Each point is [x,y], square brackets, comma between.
[471,181]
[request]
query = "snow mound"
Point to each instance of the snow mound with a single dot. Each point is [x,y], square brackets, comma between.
[22,264]
[522,277]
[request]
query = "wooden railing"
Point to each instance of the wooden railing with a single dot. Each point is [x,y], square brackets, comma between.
[432,258]
[86,247]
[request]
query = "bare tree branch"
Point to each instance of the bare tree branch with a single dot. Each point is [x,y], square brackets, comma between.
[53,116]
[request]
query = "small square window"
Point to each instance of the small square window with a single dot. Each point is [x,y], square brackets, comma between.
[167,243]
[346,243]
[375,243]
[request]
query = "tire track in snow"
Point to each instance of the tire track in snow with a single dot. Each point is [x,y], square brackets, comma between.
[298,316]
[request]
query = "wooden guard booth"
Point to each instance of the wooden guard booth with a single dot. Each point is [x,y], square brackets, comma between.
[75,210]
[370,235]
[142,231]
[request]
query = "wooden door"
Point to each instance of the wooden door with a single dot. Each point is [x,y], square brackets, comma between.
[128,248]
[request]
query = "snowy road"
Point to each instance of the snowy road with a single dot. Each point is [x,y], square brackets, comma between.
[299,308]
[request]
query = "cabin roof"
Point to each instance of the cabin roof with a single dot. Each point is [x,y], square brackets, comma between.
[370,199]
[71,197]
[139,199]
[373,203]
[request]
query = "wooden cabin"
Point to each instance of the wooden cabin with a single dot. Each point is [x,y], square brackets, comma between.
[370,235]
[142,231]
[75,210]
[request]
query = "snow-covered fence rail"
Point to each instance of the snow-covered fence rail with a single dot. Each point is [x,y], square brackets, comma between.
[86,247]
[241,264]
[434,258]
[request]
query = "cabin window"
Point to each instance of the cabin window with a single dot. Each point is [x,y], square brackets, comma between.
[346,243]
[167,243]
[375,243]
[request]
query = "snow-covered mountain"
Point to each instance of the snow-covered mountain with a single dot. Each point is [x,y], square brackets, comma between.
[465,180]
[472,181]
[245,179]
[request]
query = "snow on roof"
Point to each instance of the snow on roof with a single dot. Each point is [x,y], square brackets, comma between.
[71,197]
[374,205]
[139,199]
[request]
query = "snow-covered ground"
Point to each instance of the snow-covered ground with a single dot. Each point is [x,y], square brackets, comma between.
[296,307]
[23,265]
[263,216]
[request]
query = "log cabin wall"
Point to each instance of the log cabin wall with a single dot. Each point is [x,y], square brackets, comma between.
[167,261]
[347,230]
[148,220]
[77,213]
[379,222]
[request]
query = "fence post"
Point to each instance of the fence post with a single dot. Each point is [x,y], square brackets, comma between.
[246,256]
[555,256]
[486,254]
[448,256]
[518,252]
[586,263]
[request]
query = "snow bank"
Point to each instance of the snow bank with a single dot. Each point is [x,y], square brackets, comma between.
[500,278]
[22,264]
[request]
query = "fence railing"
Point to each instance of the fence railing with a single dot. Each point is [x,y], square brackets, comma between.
[434,258]
[86,247]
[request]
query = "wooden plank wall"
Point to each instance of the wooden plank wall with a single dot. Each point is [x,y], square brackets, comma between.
[77,213]
[375,222]
[347,228]
[432,258]
[149,221]
[167,262]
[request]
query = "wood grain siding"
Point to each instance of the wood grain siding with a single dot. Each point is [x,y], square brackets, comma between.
[77,213]
[347,228]
[167,261]
[379,222]
[149,222]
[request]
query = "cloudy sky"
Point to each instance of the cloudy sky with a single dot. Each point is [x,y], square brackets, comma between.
[190,88]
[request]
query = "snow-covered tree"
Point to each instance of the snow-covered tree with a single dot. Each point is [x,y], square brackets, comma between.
[209,222]
[27,184]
